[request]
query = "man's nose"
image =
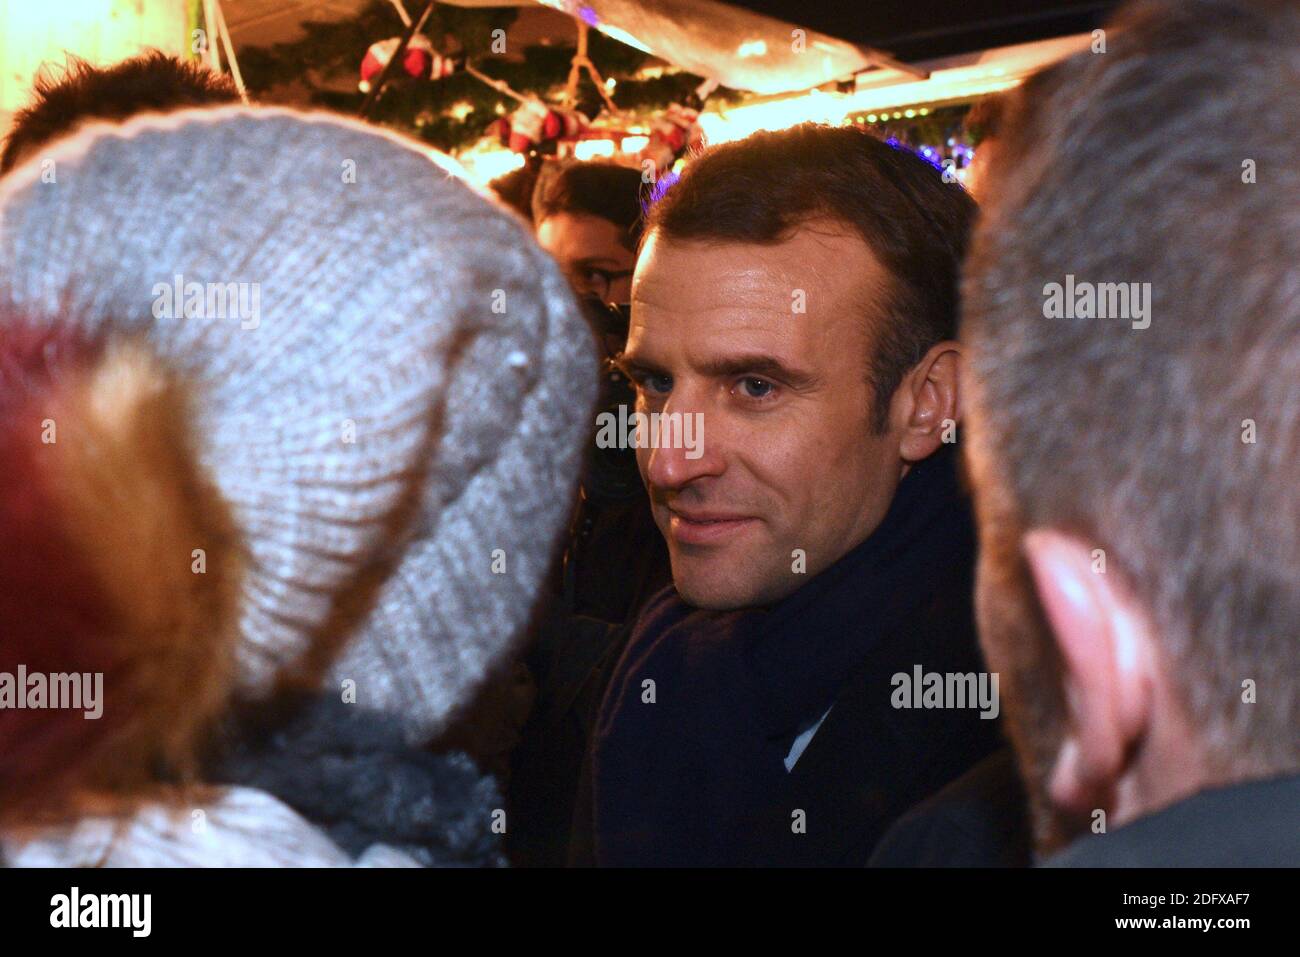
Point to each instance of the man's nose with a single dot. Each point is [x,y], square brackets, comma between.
[681,450]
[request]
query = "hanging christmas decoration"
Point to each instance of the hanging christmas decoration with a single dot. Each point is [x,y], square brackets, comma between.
[536,126]
[419,61]
[672,135]
[677,131]
[476,85]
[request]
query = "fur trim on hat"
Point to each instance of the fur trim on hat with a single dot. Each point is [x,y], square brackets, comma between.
[119,571]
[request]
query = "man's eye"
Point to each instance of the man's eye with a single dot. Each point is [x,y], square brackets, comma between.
[657,384]
[754,388]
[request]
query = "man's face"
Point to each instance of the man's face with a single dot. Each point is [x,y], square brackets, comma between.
[767,344]
[590,250]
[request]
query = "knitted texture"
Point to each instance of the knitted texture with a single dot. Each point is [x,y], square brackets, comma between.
[404,392]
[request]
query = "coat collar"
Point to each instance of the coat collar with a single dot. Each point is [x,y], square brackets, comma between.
[1252,824]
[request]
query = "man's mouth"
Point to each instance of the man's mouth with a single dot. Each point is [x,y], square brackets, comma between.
[704,528]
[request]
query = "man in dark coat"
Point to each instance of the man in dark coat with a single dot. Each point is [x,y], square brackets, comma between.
[791,345]
[979,820]
[1133,444]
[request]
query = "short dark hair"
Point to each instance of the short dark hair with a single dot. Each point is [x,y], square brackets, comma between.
[515,188]
[1136,439]
[605,190]
[150,82]
[764,187]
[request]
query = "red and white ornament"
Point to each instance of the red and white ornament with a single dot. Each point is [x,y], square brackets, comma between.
[419,61]
[535,124]
[672,135]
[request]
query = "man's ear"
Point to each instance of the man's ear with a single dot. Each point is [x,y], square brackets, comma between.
[1107,651]
[927,405]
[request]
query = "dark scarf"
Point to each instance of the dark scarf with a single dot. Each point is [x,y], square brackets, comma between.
[349,771]
[686,779]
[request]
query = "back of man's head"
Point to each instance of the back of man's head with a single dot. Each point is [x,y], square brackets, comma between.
[151,82]
[1132,308]
[763,188]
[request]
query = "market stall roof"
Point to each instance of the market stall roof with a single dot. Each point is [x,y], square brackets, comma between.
[737,47]
[748,44]
[948,80]
[263,22]
[925,29]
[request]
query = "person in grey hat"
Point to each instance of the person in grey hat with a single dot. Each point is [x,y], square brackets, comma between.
[290,422]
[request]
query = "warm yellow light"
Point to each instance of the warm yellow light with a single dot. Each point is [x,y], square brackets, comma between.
[33,34]
[735,124]
[960,81]
[484,163]
[451,165]
[908,113]
[591,149]
[634,144]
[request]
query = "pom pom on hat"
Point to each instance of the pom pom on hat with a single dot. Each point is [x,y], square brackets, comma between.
[115,655]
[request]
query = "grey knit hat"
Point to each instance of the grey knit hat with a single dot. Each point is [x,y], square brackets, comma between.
[392,380]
